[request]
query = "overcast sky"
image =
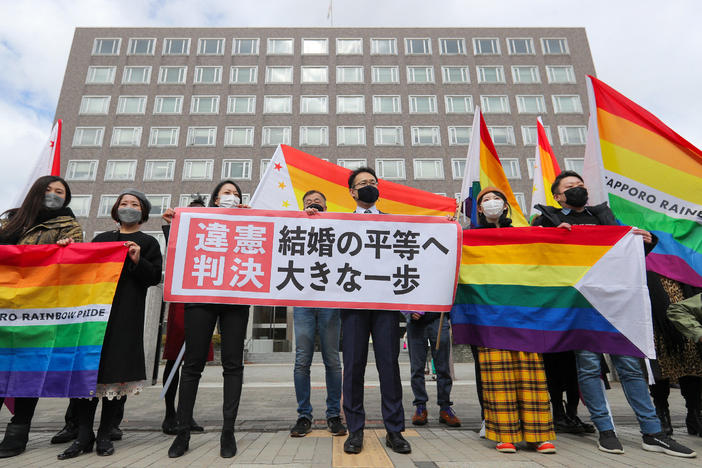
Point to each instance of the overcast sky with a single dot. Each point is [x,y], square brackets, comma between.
[651,51]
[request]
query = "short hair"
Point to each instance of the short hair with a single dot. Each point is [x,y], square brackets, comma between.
[144,209]
[198,200]
[358,171]
[310,192]
[215,192]
[561,176]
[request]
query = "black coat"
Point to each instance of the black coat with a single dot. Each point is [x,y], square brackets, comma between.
[122,358]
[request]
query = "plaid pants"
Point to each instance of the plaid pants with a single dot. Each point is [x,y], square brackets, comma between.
[515,396]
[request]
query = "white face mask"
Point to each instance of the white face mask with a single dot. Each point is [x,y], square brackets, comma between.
[493,208]
[228,201]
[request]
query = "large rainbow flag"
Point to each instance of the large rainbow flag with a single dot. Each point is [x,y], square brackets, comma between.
[548,289]
[545,171]
[291,173]
[651,176]
[484,169]
[54,306]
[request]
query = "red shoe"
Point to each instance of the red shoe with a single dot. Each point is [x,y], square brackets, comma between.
[506,447]
[545,447]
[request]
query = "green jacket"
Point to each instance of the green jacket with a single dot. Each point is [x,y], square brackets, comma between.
[53,230]
[687,317]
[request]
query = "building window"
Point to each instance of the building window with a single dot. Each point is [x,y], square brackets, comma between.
[109,46]
[459,135]
[502,135]
[126,136]
[386,105]
[352,164]
[243,75]
[390,169]
[525,74]
[572,134]
[136,75]
[350,105]
[204,105]
[521,201]
[350,136]
[210,47]
[315,46]
[567,104]
[349,47]
[452,46]
[172,75]
[459,104]
[279,74]
[554,46]
[138,46]
[88,136]
[238,136]
[349,74]
[574,164]
[277,104]
[383,47]
[263,166]
[385,74]
[511,168]
[494,104]
[520,46]
[280,47]
[94,105]
[159,169]
[420,74]
[388,136]
[187,199]
[208,75]
[314,74]
[80,205]
[418,46]
[486,46]
[314,105]
[529,135]
[106,204]
[168,105]
[100,75]
[563,74]
[245,47]
[491,74]
[202,136]
[135,105]
[274,136]
[236,169]
[530,167]
[425,136]
[159,204]
[531,104]
[422,104]
[428,168]
[241,105]
[81,170]
[458,167]
[314,136]
[198,169]
[176,46]
[120,170]
[164,136]
[452,75]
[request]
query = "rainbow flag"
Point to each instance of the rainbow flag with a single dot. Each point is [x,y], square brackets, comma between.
[651,176]
[545,171]
[54,306]
[548,290]
[484,169]
[291,173]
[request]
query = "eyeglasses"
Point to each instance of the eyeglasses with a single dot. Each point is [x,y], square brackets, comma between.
[366,183]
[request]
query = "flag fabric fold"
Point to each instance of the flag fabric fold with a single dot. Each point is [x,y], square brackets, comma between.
[545,171]
[49,162]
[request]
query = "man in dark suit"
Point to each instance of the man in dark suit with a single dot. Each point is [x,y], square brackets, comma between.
[383,325]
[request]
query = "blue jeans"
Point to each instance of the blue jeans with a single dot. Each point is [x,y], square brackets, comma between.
[327,323]
[418,333]
[633,383]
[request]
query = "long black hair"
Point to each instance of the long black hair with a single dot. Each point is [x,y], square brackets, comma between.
[22,218]
[504,220]
[219,186]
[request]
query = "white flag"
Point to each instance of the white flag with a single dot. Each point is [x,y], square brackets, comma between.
[275,190]
[49,162]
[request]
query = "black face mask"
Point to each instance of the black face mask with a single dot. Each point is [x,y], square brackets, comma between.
[316,206]
[576,196]
[368,194]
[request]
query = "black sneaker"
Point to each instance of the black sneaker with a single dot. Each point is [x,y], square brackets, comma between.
[609,443]
[662,442]
[335,426]
[302,427]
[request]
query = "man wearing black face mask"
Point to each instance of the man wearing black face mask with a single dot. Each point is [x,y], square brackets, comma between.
[383,326]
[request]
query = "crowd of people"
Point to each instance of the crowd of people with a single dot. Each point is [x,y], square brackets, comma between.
[520,393]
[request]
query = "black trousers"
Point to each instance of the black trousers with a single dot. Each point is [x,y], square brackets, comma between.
[478,379]
[24,410]
[200,320]
[562,375]
[690,389]
[357,326]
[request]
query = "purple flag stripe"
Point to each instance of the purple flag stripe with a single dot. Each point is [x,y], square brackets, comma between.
[57,384]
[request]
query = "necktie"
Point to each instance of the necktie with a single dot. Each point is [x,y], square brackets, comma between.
[368,212]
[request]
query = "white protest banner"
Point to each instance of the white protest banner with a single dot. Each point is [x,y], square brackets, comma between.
[346,260]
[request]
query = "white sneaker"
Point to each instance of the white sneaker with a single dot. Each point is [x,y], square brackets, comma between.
[482,430]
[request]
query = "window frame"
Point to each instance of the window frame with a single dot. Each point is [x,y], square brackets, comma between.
[556,104]
[436,137]
[438,162]
[251,98]
[76,212]
[373,45]
[511,50]
[305,97]
[411,79]
[200,70]
[221,44]
[544,50]
[175,136]
[361,130]
[377,138]
[355,97]
[500,79]
[188,163]
[514,167]
[158,102]
[570,72]
[132,42]
[522,99]
[470,107]
[381,173]
[99,136]
[249,140]
[123,99]
[113,53]
[127,72]
[211,137]
[269,99]
[515,74]
[431,99]
[304,136]
[71,167]
[164,51]
[307,68]
[394,69]
[563,136]
[478,52]
[136,137]
[336,44]
[271,40]
[235,48]
[452,131]
[509,134]
[109,167]
[458,168]
[397,99]
[107,201]
[265,134]
[93,68]
[408,45]
[246,172]
[460,40]
[445,78]
[254,79]
[105,104]
[148,167]
[289,68]
[340,68]
[163,71]
[486,108]
[198,97]
[324,39]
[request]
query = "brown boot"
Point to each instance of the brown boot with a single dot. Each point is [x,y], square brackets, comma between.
[420,416]
[448,417]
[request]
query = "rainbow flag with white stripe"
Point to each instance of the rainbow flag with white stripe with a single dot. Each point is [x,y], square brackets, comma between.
[54,306]
[651,177]
[548,290]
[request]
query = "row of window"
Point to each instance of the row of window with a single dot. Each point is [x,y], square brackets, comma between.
[316,74]
[390,135]
[344,46]
[282,104]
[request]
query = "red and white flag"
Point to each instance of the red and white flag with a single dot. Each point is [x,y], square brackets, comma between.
[48,163]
